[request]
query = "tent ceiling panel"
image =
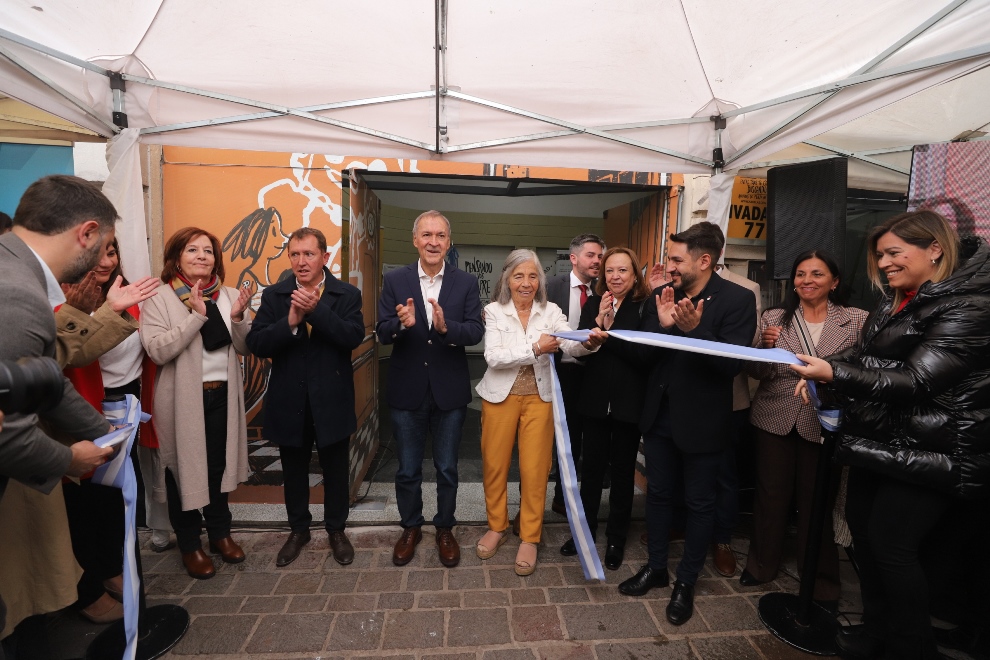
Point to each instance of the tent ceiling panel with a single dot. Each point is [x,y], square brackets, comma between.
[549,67]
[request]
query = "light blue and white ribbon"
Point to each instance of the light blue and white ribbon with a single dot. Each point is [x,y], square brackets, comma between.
[119,473]
[580,532]
[830,419]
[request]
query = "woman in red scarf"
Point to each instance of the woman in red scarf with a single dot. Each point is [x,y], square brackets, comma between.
[194,330]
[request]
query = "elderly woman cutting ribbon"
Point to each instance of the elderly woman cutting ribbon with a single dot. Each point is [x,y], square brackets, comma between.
[516,393]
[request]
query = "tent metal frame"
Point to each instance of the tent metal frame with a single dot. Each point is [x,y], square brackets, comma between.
[441,92]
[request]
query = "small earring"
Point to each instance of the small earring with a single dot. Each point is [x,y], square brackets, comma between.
[934,262]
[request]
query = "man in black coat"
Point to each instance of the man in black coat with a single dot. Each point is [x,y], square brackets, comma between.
[569,291]
[687,418]
[308,325]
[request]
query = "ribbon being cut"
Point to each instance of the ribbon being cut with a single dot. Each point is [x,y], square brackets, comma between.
[119,473]
[583,541]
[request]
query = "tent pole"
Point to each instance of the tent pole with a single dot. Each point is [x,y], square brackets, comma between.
[718,162]
[869,66]
[118,86]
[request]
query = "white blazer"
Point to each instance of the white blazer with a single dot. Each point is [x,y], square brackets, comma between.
[508,347]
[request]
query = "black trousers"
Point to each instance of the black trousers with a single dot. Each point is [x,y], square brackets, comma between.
[188,524]
[668,470]
[96,527]
[889,519]
[335,464]
[609,442]
[571,380]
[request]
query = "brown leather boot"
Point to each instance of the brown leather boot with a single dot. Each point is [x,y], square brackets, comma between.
[228,549]
[198,564]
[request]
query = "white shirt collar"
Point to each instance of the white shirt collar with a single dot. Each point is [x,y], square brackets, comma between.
[322,282]
[422,273]
[55,295]
[576,281]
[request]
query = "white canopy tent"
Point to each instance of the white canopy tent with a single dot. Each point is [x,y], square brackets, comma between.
[650,85]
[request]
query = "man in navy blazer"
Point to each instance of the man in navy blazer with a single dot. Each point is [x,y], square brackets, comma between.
[308,325]
[687,418]
[429,313]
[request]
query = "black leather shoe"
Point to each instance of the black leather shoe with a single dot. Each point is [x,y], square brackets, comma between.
[343,551]
[681,605]
[855,643]
[568,549]
[747,579]
[647,578]
[292,547]
[613,556]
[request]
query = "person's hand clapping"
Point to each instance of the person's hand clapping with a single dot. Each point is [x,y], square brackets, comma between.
[686,315]
[196,299]
[84,295]
[606,316]
[439,323]
[241,304]
[665,307]
[123,297]
[406,313]
[658,276]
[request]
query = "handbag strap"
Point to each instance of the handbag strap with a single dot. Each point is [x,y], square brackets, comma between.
[803,333]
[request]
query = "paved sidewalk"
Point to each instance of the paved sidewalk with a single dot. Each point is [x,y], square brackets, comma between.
[315,608]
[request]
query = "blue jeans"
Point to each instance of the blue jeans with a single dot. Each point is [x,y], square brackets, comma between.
[666,468]
[410,428]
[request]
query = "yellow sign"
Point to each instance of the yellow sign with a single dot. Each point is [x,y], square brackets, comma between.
[748,210]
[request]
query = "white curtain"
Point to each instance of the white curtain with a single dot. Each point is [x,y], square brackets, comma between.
[124,188]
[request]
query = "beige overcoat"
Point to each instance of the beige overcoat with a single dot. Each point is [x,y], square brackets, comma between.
[170,334]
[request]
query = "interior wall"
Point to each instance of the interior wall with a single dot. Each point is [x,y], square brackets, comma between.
[515,231]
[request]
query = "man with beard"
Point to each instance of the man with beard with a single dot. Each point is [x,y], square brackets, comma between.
[61,227]
[687,419]
[570,291]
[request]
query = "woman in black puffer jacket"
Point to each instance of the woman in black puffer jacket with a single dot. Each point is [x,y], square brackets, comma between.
[917,420]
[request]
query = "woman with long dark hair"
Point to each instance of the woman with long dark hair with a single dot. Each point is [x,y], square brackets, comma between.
[916,430]
[788,434]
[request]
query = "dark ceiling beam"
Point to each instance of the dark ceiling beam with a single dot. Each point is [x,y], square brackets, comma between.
[509,191]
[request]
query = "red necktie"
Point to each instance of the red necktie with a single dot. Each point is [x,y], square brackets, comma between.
[584,294]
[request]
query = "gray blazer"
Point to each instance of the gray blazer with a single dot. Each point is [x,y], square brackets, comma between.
[26,452]
[559,291]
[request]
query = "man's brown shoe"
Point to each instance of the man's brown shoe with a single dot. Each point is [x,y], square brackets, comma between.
[558,506]
[405,547]
[450,552]
[343,551]
[228,549]
[724,559]
[198,564]
[291,548]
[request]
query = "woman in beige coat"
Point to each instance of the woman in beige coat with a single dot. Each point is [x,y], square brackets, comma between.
[194,330]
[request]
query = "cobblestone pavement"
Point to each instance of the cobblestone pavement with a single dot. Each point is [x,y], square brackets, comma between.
[315,608]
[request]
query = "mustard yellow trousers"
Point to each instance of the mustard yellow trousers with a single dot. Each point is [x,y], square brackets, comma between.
[529,418]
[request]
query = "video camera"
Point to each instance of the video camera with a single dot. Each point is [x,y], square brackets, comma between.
[30,385]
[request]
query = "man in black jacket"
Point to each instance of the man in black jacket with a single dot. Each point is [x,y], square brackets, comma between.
[308,325]
[570,291]
[687,417]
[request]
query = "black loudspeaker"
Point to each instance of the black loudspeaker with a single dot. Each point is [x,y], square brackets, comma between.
[806,209]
